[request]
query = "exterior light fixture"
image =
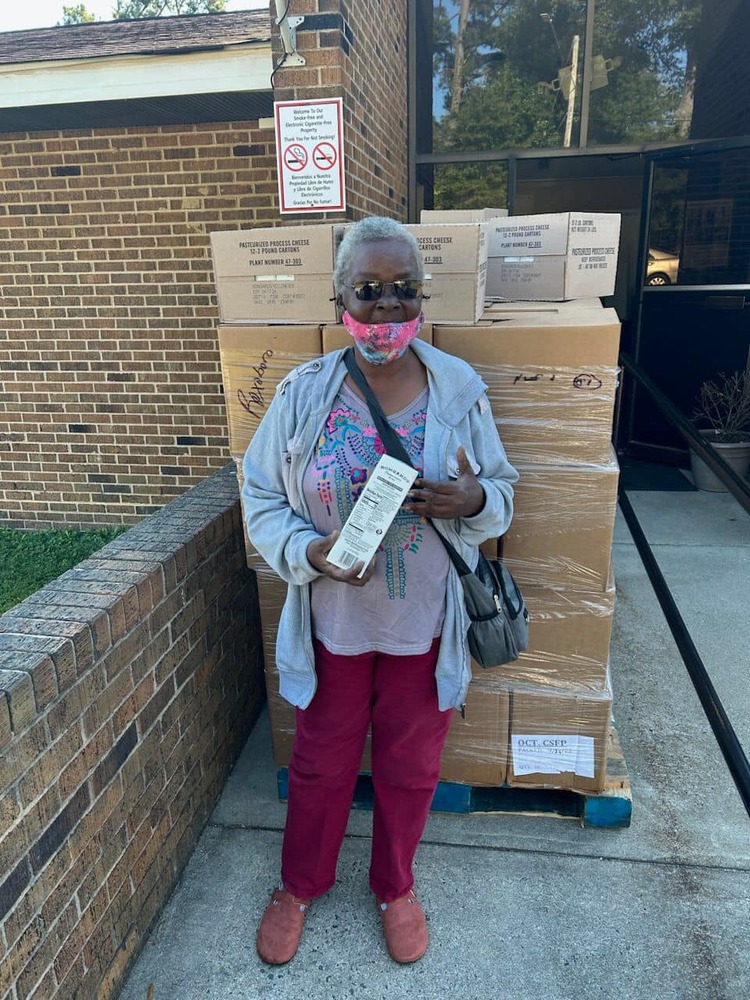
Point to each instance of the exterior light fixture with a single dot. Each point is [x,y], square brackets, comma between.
[288,30]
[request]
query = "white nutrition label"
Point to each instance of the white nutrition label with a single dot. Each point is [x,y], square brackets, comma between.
[553,754]
[373,513]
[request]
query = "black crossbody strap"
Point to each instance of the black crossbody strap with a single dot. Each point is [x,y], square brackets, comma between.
[387,434]
[393,445]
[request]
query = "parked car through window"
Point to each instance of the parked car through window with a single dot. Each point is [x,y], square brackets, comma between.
[662,268]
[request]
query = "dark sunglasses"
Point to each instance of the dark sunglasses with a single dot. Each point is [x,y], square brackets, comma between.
[404,289]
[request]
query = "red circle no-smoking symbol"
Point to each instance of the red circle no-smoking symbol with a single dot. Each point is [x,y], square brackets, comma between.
[324,156]
[295,157]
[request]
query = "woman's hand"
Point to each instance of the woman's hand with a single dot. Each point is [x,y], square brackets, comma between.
[450,498]
[317,553]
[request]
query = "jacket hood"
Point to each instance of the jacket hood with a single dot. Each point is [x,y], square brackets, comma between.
[460,386]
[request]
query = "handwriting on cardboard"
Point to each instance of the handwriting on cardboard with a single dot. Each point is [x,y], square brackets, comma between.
[255,394]
[583,381]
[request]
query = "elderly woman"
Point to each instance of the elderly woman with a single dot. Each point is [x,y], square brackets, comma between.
[384,649]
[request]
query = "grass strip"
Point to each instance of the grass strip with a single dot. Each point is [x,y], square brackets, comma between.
[29,559]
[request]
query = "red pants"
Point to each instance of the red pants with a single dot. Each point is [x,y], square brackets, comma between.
[397,697]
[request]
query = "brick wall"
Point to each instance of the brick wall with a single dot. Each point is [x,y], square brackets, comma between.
[127,688]
[111,398]
[111,401]
[358,51]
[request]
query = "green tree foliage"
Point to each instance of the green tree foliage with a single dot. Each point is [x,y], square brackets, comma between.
[506,107]
[76,14]
[130,10]
[471,185]
[501,97]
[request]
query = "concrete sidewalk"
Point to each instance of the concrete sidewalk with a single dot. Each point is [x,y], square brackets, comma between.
[525,907]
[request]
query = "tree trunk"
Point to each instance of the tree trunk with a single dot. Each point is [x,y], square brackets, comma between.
[458,64]
[684,112]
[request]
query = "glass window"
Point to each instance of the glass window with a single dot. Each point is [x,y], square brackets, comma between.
[643,70]
[465,185]
[497,80]
[509,73]
[699,227]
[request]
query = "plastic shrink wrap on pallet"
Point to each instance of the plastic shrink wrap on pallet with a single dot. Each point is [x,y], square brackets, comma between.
[558,739]
[563,526]
[551,378]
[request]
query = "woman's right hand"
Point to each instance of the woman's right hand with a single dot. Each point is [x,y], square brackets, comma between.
[317,555]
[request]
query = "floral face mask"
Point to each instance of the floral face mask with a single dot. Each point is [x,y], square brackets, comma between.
[381,343]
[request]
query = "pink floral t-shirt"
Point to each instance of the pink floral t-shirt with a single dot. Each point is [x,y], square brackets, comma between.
[401,608]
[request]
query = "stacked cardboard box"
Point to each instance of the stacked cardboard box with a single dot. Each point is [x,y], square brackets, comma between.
[432,215]
[551,369]
[564,255]
[455,262]
[279,275]
[551,373]
[283,275]
[552,378]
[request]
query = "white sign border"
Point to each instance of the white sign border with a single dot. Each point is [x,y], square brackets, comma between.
[280,167]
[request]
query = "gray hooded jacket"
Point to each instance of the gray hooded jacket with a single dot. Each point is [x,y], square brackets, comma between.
[279,523]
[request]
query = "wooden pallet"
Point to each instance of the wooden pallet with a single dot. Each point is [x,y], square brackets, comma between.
[611,809]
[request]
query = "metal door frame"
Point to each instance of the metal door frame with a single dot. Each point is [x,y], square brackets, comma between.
[653,158]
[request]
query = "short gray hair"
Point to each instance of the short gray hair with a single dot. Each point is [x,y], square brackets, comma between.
[368,230]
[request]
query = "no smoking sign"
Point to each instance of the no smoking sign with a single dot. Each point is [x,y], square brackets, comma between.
[309,144]
[295,158]
[325,156]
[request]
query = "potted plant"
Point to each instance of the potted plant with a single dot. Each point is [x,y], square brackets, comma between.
[722,417]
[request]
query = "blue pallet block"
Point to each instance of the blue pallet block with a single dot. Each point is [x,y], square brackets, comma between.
[282,783]
[451,797]
[610,810]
